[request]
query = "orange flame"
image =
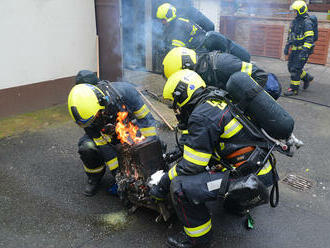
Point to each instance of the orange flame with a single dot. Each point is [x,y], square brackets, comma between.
[127,131]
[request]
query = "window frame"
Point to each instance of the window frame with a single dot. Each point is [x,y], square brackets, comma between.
[319,7]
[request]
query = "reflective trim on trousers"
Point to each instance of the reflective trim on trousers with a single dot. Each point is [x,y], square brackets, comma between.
[94,171]
[198,231]
[296,48]
[303,74]
[296,83]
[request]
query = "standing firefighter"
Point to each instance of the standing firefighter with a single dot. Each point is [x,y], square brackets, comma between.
[213,135]
[94,106]
[301,38]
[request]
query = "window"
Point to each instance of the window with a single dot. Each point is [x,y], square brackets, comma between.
[319,5]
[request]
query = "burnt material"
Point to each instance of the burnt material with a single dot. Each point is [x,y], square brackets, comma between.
[149,155]
[136,164]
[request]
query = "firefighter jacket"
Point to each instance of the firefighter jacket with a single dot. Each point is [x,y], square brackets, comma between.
[215,68]
[213,134]
[104,140]
[182,32]
[301,34]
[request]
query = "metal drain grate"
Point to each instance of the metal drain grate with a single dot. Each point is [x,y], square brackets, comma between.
[298,182]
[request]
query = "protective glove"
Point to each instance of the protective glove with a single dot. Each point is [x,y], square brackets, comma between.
[286,49]
[160,191]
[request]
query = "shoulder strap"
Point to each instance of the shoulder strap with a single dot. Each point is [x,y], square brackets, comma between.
[113,96]
[221,95]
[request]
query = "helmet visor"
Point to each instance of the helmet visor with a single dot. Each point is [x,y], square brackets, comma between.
[81,121]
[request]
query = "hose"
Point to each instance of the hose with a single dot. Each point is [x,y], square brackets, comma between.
[274,193]
[304,100]
[177,139]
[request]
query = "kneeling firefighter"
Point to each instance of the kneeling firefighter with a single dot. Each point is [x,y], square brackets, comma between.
[179,32]
[185,9]
[183,32]
[93,105]
[216,67]
[212,143]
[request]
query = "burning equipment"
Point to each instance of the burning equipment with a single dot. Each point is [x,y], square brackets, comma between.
[137,163]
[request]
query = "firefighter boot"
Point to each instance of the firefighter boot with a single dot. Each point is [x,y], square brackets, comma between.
[307,79]
[158,193]
[182,240]
[291,92]
[92,185]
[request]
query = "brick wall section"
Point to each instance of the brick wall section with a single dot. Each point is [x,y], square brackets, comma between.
[243,24]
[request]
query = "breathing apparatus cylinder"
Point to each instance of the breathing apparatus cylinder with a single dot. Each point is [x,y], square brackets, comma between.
[260,106]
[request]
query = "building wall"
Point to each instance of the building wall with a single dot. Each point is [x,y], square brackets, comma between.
[243,23]
[211,9]
[43,40]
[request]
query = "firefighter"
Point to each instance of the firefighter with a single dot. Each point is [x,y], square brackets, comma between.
[185,9]
[182,32]
[94,107]
[215,68]
[301,41]
[213,137]
[179,31]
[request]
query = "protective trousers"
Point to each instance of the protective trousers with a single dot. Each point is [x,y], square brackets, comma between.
[295,67]
[94,158]
[189,195]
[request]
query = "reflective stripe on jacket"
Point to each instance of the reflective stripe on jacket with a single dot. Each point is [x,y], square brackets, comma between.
[212,131]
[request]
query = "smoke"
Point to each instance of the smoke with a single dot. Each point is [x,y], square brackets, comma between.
[139,26]
[133,34]
[142,33]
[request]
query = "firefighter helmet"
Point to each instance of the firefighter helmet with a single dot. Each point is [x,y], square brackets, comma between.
[177,59]
[300,6]
[84,103]
[166,12]
[181,85]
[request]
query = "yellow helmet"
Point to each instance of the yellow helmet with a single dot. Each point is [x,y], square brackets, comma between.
[181,85]
[300,6]
[177,59]
[166,11]
[84,102]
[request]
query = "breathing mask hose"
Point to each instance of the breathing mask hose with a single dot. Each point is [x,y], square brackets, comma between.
[274,194]
[177,139]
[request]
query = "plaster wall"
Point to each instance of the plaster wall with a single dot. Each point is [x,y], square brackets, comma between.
[43,40]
